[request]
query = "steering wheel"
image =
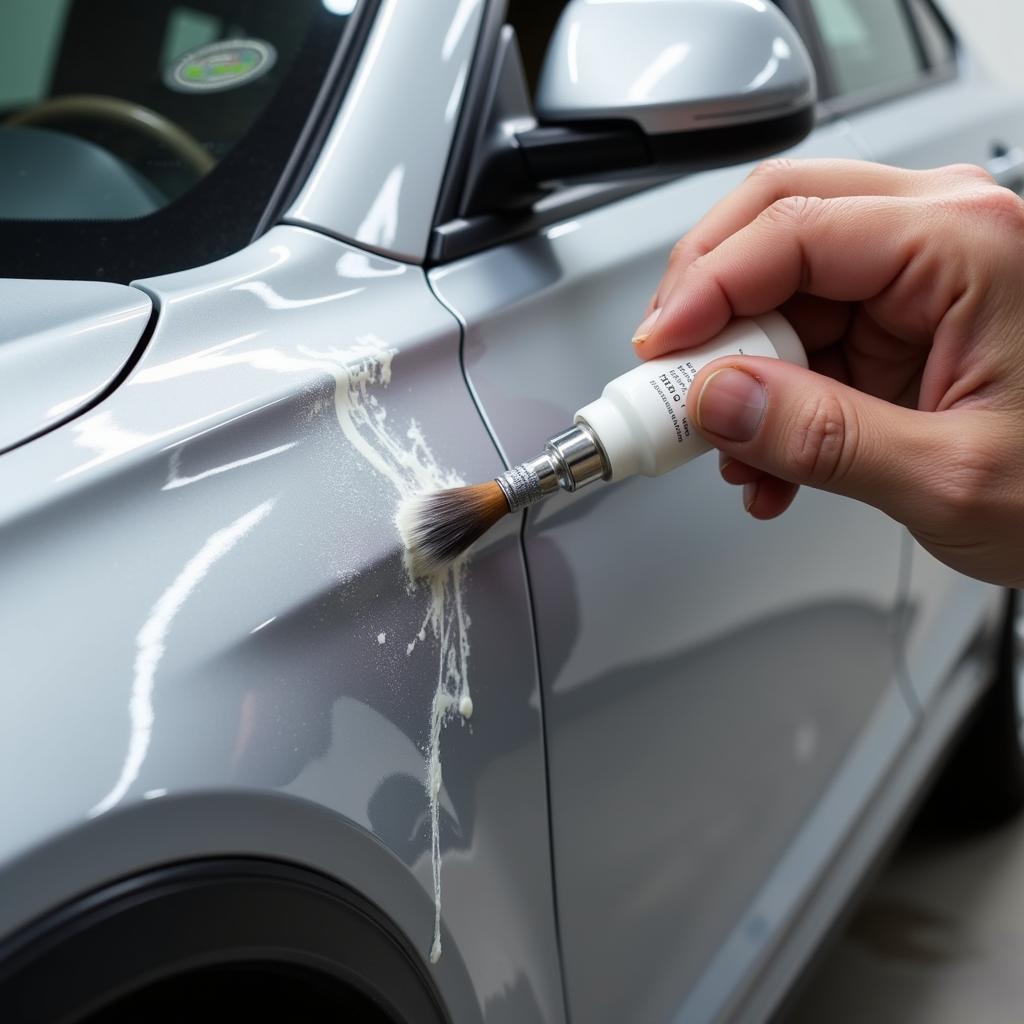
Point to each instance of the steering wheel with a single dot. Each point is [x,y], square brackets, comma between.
[114,110]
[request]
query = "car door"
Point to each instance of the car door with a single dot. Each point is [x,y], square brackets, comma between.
[721,696]
[915,97]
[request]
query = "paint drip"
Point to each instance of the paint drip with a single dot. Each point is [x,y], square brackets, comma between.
[410,466]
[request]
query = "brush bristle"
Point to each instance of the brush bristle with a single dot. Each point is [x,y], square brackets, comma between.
[439,525]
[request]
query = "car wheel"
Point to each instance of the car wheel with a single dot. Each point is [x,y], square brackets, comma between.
[216,940]
[983,783]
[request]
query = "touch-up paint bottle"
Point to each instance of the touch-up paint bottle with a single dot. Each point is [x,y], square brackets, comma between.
[640,422]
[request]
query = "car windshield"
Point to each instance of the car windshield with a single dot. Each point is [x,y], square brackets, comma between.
[113,109]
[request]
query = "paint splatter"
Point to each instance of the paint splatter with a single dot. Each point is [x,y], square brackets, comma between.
[408,463]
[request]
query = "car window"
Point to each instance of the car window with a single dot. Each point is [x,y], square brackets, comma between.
[534,22]
[934,34]
[140,99]
[870,44]
[121,110]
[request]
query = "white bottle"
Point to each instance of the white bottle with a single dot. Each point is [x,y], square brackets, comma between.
[640,422]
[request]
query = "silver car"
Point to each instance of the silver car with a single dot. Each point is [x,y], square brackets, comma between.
[269,268]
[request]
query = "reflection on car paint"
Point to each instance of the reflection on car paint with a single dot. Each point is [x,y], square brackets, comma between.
[360,264]
[380,225]
[175,479]
[457,27]
[274,300]
[454,104]
[150,644]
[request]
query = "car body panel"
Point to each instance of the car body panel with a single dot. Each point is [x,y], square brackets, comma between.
[377,179]
[213,553]
[868,837]
[755,679]
[62,344]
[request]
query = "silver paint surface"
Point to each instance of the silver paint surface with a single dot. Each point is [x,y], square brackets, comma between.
[678,65]
[377,180]
[196,573]
[61,344]
[720,694]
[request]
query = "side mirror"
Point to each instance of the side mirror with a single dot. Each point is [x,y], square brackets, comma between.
[642,88]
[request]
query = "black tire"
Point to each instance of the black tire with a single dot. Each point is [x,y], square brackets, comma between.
[982,785]
[211,941]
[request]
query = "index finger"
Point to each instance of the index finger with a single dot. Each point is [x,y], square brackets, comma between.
[777,179]
[846,249]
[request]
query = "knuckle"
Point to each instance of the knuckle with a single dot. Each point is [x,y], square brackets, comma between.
[967,173]
[678,250]
[795,211]
[821,441]
[770,170]
[970,475]
[1004,206]
[992,205]
[701,262]
[686,251]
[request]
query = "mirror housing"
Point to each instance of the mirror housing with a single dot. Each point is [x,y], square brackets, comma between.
[642,88]
[674,66]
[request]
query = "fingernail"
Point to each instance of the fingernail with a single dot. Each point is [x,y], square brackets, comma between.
[749,495]
[642,333]
[731,404]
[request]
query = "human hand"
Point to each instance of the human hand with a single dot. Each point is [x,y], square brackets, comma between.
[907,290]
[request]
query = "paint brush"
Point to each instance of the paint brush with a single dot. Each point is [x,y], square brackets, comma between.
[638,425]
[438,526]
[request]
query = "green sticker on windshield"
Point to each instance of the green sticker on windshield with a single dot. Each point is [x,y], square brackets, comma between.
[222,65]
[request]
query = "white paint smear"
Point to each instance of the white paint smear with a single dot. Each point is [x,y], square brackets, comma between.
[408,463]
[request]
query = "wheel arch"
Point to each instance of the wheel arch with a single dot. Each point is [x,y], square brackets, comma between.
[223,846]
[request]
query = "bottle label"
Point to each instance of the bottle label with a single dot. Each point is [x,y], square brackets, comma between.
[654,396]
[671,387]
[641,420]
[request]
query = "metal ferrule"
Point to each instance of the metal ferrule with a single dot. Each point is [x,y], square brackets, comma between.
[571,460]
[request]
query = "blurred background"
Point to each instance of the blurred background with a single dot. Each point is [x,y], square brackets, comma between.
[996,28]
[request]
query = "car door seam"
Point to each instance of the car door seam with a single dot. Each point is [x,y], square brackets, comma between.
[521,537]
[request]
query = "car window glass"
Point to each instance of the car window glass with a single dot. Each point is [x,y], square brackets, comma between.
[870,43]
[534,22]
[116,108]
[934,35]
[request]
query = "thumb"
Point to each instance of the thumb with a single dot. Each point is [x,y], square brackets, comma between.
[810,429]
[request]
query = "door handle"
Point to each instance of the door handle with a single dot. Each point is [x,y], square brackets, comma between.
[1007,167]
